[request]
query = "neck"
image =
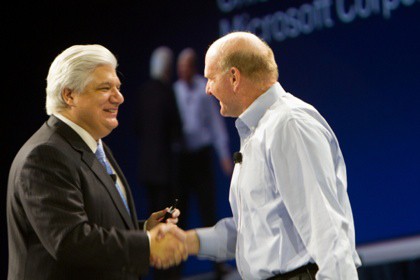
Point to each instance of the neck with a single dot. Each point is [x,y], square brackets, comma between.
[253,91]
[65,113]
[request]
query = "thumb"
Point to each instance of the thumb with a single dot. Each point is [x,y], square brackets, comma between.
[177,232]
[162,229]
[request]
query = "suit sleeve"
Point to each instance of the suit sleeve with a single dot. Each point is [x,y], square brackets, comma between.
[51,192]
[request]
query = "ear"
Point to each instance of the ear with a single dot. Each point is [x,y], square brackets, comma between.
[235,78]
[68,96]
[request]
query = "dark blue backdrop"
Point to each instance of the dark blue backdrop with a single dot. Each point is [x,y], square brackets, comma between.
[356,61]
[364,77]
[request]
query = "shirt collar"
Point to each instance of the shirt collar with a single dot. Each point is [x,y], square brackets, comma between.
[249,119]
[86,137]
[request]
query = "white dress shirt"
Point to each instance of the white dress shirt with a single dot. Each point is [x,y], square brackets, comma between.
[91,142]
[201,121]
[288,196]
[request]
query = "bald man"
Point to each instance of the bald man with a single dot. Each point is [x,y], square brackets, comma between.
[292,217]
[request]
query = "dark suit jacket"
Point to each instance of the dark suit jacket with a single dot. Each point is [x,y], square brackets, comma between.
[159,129]
[65,217]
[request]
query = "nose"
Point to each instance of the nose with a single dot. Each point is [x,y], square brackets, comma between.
[208,91]
[117,97]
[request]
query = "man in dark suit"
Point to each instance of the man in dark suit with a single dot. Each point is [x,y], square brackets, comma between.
[159,131]
[70,211]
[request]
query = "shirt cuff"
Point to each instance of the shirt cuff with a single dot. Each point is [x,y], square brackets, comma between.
[150,240]
[208,243]
[148,233]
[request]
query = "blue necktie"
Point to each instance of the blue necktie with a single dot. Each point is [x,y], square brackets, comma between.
[100,155]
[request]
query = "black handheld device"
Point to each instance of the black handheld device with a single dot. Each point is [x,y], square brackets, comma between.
[170,211]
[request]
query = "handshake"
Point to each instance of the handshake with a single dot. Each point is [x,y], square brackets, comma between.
[168,243]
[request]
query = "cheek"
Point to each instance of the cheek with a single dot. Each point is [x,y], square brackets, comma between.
[220,88]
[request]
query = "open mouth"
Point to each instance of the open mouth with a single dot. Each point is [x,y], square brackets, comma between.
[112,111]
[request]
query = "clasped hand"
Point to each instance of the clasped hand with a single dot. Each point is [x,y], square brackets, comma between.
[168,243]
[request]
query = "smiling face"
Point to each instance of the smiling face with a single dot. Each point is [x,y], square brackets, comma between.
[95,108]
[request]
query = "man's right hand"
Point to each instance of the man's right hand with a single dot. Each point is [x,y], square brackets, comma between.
[168,246]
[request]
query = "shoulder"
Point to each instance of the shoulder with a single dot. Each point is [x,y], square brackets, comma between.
[286,121]
[38,154]
[41,160]
[45,145]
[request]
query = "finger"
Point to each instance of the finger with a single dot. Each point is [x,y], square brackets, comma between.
[176,213]
[174,217]
[158,216]
[172,221]
[185,253]
[166,265]
[183,250]
[178,256]
[164,228]
[177,232]
[180,251]
[174,231]
[158,263]
[152,261]
[159,231]
[170,259]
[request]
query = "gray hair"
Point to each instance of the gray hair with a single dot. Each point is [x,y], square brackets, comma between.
[71,69]
[161,62]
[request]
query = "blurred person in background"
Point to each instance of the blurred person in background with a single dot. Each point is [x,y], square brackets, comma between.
[204,131]
[159,131]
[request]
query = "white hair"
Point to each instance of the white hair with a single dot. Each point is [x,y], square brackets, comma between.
[161,63]
[71,69]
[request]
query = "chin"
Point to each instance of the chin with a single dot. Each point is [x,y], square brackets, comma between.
[107,129]
[224,112]
[112,123]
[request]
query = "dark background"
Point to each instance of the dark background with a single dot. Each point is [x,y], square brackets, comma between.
[363,76]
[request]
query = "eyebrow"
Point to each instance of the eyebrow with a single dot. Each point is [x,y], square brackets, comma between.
[107,84]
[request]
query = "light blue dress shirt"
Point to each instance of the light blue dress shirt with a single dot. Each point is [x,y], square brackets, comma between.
[288,196]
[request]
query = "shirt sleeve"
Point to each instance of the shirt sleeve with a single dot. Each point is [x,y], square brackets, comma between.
[304,160]
[218,243]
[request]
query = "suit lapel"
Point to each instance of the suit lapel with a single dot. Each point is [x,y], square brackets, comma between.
[95,166]
[90,159]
